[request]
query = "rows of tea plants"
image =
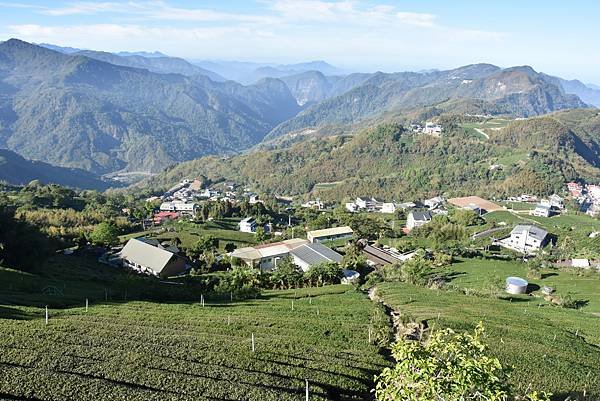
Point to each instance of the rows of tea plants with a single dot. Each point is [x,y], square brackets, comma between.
[551,349]
[150,351]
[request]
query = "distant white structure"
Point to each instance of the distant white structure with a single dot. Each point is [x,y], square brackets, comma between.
[388,207]
[179,206]
[417,219]
[542,210]
[351,207]
[432,128]
[316,204]
[434,203]
[248,225]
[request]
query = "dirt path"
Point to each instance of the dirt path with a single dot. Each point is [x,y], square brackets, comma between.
[411,330]
[482,133]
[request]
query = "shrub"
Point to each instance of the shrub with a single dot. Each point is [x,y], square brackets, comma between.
[450,366]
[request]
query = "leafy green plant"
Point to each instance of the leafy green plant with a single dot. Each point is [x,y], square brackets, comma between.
[450,366]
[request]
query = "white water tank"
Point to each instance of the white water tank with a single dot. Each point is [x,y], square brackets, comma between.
[516,285]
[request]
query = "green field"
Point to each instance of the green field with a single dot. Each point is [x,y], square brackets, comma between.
[478,273]
[570,221]
[140,350]
[551,349]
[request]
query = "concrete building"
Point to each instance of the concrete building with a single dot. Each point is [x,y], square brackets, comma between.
[526,238]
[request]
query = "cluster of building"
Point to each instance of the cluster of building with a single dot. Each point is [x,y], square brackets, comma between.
[549,207]
[373,204]
[430,128]
[588,197]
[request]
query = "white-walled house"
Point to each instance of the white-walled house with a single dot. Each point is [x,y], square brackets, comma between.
[388,207]
[542,210]
[248,225]
[526,238]
[417,219]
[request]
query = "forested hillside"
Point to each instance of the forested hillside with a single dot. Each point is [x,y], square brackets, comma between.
[16,170]
[392,162]
[75,111]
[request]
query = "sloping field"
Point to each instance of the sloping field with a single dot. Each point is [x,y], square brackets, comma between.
[153,351]
[551,349]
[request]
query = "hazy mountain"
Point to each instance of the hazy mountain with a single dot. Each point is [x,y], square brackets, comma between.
[62,49]
[517,91]
[16,170]
[248,72]
[587,93]
[143,54]
[75,111]
[593,86]
[155,63]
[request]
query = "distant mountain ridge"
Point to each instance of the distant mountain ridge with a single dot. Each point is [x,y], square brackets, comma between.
[16,170]
[517,91]
[76,111]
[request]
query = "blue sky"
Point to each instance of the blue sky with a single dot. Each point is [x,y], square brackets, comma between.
[557,37]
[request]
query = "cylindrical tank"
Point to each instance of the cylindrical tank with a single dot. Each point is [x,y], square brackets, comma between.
[516,285]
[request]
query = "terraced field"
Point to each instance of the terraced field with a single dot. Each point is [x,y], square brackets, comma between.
[551,349]
[186,351]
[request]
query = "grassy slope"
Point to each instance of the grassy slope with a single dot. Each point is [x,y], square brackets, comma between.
[141,350]
[476,273]
[551,349]
[225,230]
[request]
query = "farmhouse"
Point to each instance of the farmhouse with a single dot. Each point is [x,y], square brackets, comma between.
[248,225]
[432,128]
[308,255]
[526,238]
[146,258]
[266,256]
[160,217]
[417,219]
[329,234]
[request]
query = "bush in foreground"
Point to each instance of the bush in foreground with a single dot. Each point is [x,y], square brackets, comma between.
[449,366]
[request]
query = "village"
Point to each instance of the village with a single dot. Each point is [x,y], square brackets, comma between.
[519,225]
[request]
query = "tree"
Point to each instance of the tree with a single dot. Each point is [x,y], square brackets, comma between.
[230,247]
[287,274]
[449,366]
[324,273]
[104,234]
[261,234]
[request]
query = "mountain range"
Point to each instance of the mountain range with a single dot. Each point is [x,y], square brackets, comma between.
[75,111]
[110,112]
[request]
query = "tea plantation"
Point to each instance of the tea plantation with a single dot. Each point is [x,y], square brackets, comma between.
[551,349]
[185,351]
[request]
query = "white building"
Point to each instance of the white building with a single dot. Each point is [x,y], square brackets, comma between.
[388,207]
[248,225]
[179,206]
[542,210]
[351,207]
[316,204]
[526,238]
[417,219]
[329,234]
[434,202]
[432,128]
